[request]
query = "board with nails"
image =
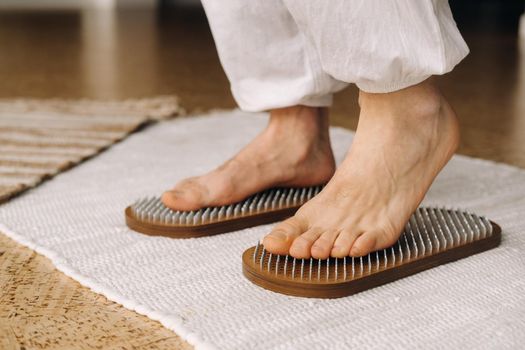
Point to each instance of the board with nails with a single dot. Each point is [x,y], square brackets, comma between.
[150,216]
[431,237]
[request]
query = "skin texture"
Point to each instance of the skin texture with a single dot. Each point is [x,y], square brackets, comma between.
[402,141]
[293,150]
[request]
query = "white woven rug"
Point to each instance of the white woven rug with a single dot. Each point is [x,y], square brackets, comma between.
[195,287]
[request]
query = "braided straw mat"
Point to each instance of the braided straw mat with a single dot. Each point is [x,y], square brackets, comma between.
[40,138]
[196,288]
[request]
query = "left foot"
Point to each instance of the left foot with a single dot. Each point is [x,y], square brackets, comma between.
[402,141]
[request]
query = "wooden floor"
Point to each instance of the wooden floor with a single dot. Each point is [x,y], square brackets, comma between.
[85,54]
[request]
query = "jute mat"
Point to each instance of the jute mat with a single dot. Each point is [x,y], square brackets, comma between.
[196,288]
[40,138]
[41,308]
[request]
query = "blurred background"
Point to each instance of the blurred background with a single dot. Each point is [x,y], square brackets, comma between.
[117,49]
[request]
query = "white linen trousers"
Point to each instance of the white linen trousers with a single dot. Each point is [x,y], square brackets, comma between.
[280,53]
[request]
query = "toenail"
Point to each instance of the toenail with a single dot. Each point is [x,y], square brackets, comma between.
[171,194]
[279,235]
[317,247]
[337,249]
[355,251]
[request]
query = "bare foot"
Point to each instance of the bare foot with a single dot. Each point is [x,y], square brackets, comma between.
[402,141]
[294,150]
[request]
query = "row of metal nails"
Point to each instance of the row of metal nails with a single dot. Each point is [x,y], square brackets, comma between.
[153,210]
[429,231]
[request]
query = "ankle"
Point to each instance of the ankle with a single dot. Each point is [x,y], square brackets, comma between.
[299,136]
[423,100]
[310,122]
[420,111]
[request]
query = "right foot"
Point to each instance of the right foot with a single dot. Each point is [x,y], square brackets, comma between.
[403,140]
[293,151]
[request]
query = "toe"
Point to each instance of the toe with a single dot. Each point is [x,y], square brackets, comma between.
[279,240]
[302,245]
[188,195]
[343,243]
[371,241]
[181,200]
[364,244]
[172,199]
[323,245]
